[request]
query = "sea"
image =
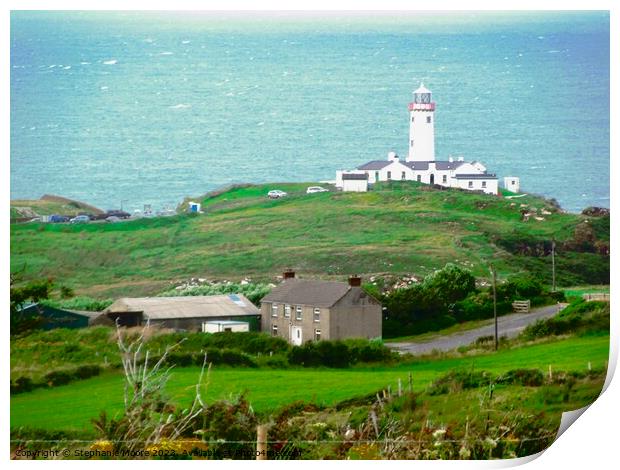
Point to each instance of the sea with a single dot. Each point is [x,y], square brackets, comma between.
[122,109]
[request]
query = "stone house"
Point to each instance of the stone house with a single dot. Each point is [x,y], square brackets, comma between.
[302,310]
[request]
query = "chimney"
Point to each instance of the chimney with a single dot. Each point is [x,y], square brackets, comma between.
[288,274]
[355,281]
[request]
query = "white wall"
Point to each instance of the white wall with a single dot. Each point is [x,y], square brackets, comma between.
[512,183]
[358,186]
[491,185]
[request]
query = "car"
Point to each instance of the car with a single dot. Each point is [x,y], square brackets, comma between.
[58,219]
[276,194]
[80,219]
[112,218]
[316,189]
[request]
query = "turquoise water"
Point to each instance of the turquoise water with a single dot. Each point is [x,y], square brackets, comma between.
[150,108]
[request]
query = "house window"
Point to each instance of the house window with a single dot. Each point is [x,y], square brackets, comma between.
[389,175]
[411,143]
[513,181]
[274,310]
[274,330]
[428,119]
[298,313]
[419,178]
[287,311]
[376,176]
[402,175]
[444,179]
[411,118]
[484,184]
[317,314]
[317,335]
[470,184]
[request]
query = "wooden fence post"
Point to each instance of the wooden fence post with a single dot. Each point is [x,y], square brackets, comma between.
[400,388]
[261,442]
[410,383]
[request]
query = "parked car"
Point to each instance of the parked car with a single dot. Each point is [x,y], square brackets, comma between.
[276,194]
[112,218]
[316,189]
[117,213]
[80,219]
[58,219]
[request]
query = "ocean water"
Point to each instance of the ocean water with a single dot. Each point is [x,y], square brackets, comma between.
[136,108]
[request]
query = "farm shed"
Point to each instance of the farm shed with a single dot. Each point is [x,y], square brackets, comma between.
[187,313]
[53,317]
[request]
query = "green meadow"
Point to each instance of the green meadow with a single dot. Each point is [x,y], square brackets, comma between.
[398,228]
[70,407]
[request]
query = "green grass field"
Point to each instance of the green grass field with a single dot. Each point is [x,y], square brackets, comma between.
[397,228]
[70,407]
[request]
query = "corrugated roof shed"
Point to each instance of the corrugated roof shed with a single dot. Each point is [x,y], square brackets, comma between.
[200,306]
[308,292]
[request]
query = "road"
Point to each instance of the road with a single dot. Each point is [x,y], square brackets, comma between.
[508,325]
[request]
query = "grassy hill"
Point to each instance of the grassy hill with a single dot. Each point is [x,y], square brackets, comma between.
[399,228]
[48,205]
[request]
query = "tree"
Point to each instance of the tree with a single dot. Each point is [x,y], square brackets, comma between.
[450,284]
[33,291]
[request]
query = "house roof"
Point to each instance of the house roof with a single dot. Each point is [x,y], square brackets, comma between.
[199,306]
[374,165]
[354,176]
[308,292]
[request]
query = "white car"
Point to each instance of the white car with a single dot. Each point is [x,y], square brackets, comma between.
[80,219]
[276,194]
[316,189]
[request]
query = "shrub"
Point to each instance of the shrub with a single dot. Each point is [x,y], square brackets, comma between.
[22,384]
[527,377]
[457,380]
[87,371]
[58,377]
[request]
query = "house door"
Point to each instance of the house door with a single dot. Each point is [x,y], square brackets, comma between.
[296,337]
[432,178]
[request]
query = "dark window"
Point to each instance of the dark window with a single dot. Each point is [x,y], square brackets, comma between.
[298,313]
[419,177]
[274,330]
[402,176]
[428,119]
[470,184]
[484,184]
[411,118]
[411,143]
[445,178]
[389,175]
[376,176]
[317,335]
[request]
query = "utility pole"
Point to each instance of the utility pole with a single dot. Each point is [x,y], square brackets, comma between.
[552,265]
[492,269]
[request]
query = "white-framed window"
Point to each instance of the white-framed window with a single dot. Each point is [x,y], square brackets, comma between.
[470,184]
[298,313]
[484,184]
[287,311]
[317,315]
[428,119]
[389,175]
[444,179]
[402,175]
[419,178]
[274,330]
[274,310]
[411,143]
[317,335]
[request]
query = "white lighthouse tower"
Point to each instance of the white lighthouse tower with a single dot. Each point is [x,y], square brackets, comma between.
[421,126]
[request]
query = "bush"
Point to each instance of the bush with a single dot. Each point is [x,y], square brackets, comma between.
[21,385]
[58,377]
[527,377]
[87,371]
[457,380]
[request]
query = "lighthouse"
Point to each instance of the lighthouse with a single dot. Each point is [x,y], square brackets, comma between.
[421,126]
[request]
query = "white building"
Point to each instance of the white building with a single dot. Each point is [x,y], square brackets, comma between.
[420,164]
[511,183]
[355,182]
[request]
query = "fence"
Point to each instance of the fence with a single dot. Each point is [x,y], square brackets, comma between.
[521,306]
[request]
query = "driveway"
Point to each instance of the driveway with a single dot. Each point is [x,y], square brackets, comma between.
[507,325]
